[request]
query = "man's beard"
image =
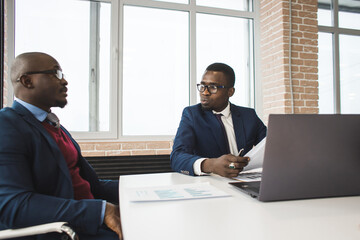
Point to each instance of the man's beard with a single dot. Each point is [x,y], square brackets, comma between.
[205,108]
[61,104]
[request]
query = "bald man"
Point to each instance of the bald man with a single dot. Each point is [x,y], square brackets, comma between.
[43,176]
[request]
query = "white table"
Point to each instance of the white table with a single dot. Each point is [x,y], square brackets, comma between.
[235,217]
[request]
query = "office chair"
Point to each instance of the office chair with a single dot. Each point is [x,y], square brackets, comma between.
[60,227]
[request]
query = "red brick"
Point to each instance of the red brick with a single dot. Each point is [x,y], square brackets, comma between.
[308,56]
[312,77]
[107,146]
[133,145]
[143,152]
[118,153]
[158,145]
[93,153]
[308,70]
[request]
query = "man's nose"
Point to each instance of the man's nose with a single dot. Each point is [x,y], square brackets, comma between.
[206,91]
[63,82]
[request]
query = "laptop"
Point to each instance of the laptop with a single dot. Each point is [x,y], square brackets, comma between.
[309,156]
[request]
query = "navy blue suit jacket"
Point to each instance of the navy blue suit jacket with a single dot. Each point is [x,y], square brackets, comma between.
[200,135]
[35,183]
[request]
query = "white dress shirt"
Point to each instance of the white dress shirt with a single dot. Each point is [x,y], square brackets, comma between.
[229,128]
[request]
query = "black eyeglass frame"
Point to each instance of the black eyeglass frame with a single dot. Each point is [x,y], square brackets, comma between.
[57,72]
[211,88]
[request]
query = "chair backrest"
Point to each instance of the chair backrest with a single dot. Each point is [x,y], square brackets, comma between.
[60,227]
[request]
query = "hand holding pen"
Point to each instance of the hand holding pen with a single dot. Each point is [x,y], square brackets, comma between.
[232,164]
[226,165]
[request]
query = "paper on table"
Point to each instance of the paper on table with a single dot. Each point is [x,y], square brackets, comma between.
[256,155]
[252,175]
[175,192]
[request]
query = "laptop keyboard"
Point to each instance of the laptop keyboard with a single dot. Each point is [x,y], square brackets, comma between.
[253,186]
[252,175]
[248,186]
[249,176]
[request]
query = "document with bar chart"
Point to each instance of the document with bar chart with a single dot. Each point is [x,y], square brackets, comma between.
[176,192]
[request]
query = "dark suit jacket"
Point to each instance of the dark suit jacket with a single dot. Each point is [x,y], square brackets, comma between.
[200,135]
[35,183]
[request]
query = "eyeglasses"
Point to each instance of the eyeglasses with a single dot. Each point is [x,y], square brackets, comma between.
[58,73]
[211,88]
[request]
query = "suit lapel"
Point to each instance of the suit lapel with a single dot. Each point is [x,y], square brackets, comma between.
[58,156]
[238,124]
[215,129]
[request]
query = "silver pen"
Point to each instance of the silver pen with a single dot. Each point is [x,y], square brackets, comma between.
[240,152]
[232,165]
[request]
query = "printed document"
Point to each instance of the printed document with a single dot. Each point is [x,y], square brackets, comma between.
[256,155]
[252,172]
[176,192]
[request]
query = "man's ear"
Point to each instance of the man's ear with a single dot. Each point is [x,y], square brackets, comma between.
[26,81]
[231,92]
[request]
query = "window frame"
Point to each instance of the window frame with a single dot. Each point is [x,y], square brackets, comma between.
[2,42]
[336,31]
[116,67]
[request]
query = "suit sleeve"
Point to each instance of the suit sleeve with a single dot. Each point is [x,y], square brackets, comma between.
[102,189]
[182,156]
[21,204]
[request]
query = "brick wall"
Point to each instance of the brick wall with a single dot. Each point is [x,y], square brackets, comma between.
[275,29]
[125,148]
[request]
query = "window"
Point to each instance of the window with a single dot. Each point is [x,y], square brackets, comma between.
[326,80]
[216,35]
[2,29]
[339,38]
[159,78]
[77,34]
[349,73]
[133,65]
[228,4]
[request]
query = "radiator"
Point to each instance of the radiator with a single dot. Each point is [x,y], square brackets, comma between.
[111,167]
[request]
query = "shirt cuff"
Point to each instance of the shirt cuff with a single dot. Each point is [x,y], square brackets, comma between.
[103,212]
[197,167]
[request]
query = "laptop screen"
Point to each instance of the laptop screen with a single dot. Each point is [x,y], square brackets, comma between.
[311,156]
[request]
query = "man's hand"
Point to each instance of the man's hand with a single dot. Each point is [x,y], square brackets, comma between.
[221,167]
[112,219]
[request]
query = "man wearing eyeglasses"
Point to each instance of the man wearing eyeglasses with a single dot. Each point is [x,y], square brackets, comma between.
[215,134]
[43,176]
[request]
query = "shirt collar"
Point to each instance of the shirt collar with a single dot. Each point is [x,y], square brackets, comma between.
[226,112]
[38,113]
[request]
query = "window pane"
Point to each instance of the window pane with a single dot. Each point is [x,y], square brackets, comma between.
[349,14]
[326,89]
[155,70]
[225,39]
[174,1]
[242,5]
[61,29]
[324,13]
[349,74]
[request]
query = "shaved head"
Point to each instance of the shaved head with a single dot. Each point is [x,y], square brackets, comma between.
[34,84]
[27,62]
